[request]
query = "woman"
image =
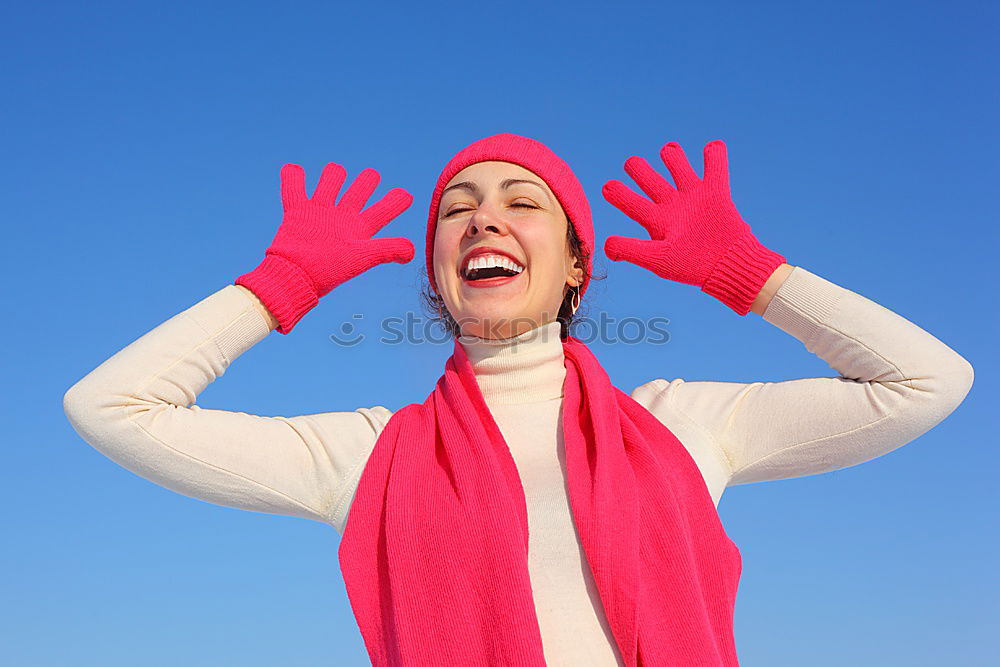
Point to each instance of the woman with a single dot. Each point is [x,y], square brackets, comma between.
[527,512]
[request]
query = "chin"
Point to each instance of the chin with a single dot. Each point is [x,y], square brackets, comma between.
[495,323]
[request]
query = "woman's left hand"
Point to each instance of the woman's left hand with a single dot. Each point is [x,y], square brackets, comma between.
[697,235]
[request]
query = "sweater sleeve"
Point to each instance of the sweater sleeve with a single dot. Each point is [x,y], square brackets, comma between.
[138,409]
[896,382]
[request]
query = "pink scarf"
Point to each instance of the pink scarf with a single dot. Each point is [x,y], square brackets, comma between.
[435,550]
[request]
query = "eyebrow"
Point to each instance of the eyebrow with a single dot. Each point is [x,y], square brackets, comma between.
[506,183]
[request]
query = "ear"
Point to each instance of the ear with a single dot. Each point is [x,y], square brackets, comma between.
[575,268]
[575,275]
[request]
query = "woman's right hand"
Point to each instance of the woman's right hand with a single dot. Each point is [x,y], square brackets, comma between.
[321,244]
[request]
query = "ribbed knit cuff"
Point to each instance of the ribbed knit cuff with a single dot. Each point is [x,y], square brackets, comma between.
[803,305]
[244,331]
[284,288]
[738,277]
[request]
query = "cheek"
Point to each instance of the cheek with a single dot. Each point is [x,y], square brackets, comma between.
[545,252]
[445,247]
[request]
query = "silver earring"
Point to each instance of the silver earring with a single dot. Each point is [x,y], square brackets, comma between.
[575,302]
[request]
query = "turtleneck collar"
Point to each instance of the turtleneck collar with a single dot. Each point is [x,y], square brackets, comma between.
[524,369]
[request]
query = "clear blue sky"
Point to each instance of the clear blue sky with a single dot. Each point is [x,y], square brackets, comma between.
[142,144]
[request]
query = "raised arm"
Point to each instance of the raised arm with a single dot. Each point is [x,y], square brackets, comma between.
[896,382]
[138,407]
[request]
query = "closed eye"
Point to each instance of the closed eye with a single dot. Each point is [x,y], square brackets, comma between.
[459,210]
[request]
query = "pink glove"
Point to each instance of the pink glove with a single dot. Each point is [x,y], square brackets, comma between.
[321,244]
[698,237]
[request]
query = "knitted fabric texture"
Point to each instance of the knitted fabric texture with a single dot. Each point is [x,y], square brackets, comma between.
[697,236]
[321,243]
[535,157]
[435,549]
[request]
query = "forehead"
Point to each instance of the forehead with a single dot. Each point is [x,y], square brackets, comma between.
[491,172]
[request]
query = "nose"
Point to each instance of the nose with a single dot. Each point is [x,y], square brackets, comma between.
[484,220]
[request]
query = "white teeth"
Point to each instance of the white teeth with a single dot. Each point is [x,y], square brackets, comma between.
[488,261]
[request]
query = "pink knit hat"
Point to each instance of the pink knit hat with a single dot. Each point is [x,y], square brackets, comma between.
[535,157]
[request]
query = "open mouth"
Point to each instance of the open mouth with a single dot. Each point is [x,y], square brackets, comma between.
[487,267]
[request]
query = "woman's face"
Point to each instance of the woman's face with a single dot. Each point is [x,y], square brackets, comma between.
[502,262]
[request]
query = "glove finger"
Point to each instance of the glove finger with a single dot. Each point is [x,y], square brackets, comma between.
[634,206]
[330,182]
[626,249]
[379,214]
[379,251]
[675,159]
[654,256]
[654,185]
[717,164]
[361,189]
[293,185]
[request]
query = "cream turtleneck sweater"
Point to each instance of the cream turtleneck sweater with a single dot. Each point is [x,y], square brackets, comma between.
[522,382]
[895,382]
